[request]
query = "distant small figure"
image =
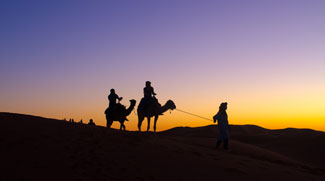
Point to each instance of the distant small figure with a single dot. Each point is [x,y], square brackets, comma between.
[223,125]
[72,120]
[91,122]
[81,121]
[64,119]
[112,97]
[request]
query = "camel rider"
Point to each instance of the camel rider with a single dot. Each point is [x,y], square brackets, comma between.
[112,97]
[148,90]
[149,96]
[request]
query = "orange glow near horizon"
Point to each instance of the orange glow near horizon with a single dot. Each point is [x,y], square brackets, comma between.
[265,59]
[272,109]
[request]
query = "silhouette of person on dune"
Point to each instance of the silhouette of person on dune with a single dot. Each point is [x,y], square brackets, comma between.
[91,122]
[223,126]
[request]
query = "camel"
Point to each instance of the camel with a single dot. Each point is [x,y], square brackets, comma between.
[153,110]
[119,113]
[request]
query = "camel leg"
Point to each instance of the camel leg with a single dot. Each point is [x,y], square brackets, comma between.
[140,119]
[148,124]
[121,126]
[108,122]
[155,123]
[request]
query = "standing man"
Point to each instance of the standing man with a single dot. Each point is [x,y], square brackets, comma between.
[223,126]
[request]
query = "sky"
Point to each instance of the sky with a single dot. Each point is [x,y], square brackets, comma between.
[266,58]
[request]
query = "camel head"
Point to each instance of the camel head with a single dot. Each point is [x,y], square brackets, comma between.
[171,105]
[132,102]
[130,109]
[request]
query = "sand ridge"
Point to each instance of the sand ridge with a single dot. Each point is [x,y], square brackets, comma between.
[35,148]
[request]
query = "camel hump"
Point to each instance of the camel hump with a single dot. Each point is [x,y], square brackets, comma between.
[119,107]
[147,102]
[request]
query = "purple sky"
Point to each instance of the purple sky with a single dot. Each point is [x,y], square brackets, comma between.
[65,55]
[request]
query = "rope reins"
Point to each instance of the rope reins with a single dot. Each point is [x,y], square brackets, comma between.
[193,114]
[187,113]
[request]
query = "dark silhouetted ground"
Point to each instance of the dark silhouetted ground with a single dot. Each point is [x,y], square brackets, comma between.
[35,148]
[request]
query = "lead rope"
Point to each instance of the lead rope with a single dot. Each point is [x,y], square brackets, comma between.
[186,113]
[193,114]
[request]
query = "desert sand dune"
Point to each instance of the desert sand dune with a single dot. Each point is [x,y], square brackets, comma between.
[35,148]
[304,145]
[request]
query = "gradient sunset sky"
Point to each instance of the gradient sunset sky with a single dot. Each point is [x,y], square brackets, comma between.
[266,58]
